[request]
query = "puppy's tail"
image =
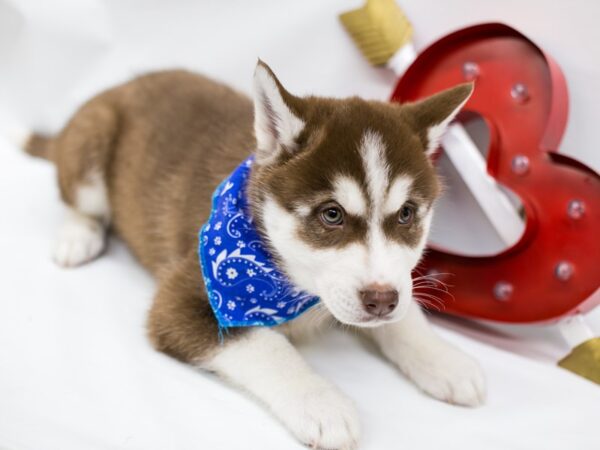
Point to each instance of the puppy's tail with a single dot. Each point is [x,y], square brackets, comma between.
[38,145]
[34,144]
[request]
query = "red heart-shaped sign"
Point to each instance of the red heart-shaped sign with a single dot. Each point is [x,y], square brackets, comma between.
[554,268]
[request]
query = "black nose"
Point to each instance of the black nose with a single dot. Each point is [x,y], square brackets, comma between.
[379,300]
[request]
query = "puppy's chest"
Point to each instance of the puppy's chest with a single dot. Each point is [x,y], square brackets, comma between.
[307,325]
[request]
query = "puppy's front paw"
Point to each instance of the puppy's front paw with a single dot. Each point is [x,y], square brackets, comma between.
[448,375]
[321,418]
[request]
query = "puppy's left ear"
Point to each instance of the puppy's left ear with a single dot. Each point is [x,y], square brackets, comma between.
[430,117]
[276,120]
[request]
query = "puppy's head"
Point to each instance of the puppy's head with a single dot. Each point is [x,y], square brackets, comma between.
[343,192]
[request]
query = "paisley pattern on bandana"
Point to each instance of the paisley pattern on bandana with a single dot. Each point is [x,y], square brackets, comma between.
[244,286]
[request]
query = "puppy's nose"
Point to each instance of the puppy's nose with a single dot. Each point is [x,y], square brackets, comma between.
[379,300]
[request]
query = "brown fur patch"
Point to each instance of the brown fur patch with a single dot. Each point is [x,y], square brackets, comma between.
[162,142]
[329,148]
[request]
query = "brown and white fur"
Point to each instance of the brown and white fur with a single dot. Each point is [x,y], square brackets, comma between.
[144,158]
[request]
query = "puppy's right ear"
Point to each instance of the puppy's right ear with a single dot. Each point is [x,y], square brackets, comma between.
[276,125]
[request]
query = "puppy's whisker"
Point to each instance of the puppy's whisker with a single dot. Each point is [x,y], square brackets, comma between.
[430,278]
[432,299]
[433,275]
[432,288]
[432,282]
[427,304]
[427,286]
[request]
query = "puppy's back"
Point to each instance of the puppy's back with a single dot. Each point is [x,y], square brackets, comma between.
[160,143]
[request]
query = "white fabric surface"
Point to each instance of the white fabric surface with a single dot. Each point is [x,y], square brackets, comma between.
[76,371]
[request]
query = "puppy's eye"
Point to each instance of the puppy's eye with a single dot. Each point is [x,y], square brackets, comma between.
[332,216]
[407,215]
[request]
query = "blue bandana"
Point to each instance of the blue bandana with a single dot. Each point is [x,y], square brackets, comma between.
[244,286]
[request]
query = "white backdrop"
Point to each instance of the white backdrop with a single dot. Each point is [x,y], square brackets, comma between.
[75,369]
[56,53]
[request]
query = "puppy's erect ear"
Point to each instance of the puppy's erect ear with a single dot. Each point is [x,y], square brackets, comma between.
[276,125]
[430,117]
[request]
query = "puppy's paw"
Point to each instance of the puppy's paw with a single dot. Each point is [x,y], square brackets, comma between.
[80,240]
[449,375]
[321,418]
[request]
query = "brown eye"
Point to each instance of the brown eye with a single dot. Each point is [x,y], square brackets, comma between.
[407,215]
[332,216]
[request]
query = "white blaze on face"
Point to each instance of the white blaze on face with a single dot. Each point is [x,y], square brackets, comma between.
[337,275]
[397,195]
[349,195]
[390,263]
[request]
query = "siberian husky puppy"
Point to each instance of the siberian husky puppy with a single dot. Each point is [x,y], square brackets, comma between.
[340,191]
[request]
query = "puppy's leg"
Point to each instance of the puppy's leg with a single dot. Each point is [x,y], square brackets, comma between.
[264,363]
[81,152]
[81,238]
[437,367]
[259,360]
